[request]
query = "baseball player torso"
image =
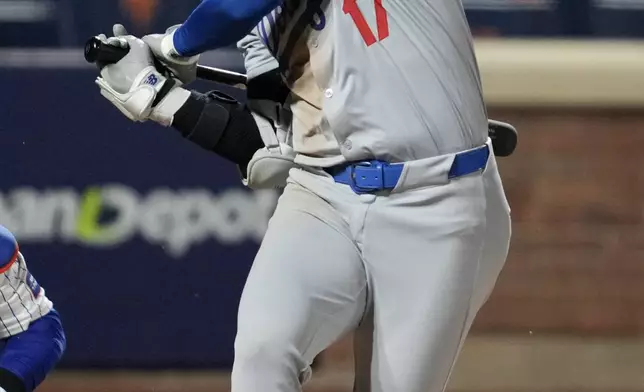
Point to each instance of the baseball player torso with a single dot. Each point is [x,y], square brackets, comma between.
[22,299]
[395,80]
[373,79]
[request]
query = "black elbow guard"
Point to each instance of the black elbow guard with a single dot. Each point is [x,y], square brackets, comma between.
[218,123]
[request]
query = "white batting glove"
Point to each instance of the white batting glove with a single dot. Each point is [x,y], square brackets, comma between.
[162,45]
[135,86]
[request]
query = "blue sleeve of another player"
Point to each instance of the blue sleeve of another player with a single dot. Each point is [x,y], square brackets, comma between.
[218,23]
[8,249]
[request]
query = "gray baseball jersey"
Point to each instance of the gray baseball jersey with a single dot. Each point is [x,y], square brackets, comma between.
[397,82]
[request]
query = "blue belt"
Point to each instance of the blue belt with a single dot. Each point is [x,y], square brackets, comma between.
[373,176]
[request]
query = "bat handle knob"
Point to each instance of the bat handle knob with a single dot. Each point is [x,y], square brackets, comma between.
[96,51]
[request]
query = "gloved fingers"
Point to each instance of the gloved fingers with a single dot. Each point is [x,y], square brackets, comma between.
[117,41]
[119,30]
[154,42]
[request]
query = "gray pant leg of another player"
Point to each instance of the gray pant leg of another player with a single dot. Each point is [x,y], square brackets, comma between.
[425,253]
[306,289]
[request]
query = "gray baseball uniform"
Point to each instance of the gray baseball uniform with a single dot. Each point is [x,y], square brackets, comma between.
[339,82]
[396,81]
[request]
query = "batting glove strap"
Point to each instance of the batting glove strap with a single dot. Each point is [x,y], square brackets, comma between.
[137,103]
[169,105]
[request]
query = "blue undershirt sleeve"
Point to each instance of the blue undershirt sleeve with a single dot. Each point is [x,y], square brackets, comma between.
[218,23]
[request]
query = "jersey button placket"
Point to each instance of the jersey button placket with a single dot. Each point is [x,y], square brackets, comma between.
[328,93]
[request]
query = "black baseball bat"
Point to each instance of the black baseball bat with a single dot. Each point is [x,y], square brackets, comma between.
[96,51]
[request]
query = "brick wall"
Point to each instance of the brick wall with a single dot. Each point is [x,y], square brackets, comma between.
[576,265]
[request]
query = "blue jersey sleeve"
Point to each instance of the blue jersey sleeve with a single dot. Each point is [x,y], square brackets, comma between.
[218,23]
[8,248]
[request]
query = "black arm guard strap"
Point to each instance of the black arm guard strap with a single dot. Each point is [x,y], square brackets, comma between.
[218,123]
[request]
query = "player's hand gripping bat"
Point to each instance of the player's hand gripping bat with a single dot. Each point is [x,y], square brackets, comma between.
[99,52]
[504,136]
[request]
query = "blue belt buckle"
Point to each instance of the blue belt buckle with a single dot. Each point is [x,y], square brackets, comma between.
[367,177]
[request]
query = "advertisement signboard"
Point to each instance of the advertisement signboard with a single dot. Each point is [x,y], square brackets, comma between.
[141,239]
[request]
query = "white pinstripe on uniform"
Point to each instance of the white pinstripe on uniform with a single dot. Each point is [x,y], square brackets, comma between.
[22,299]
